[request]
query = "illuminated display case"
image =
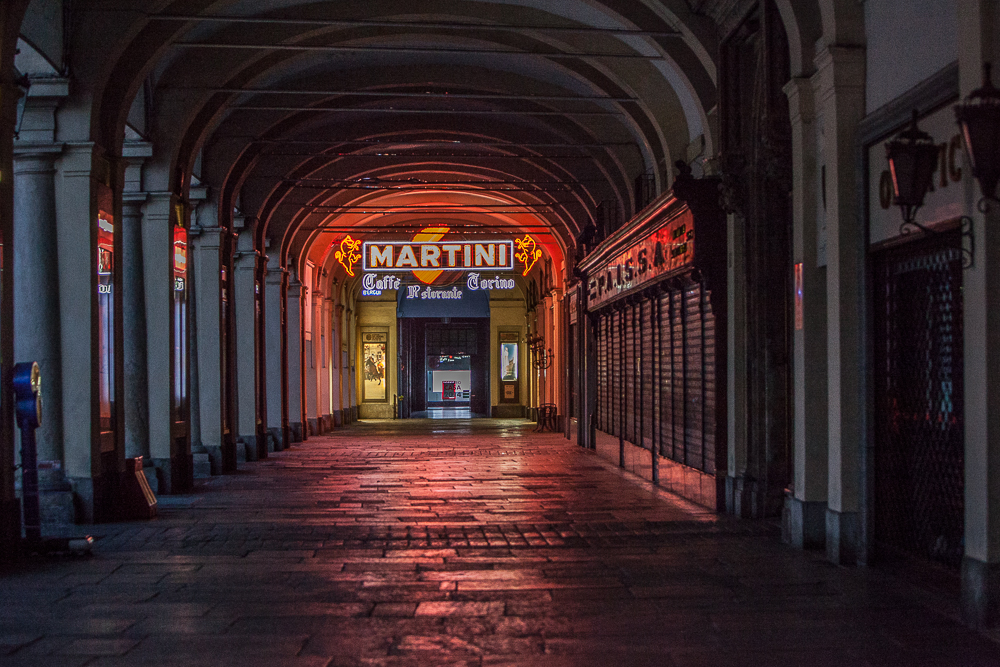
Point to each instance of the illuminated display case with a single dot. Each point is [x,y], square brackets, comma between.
[374,355]
[180,342]
[510,362]
[106,322]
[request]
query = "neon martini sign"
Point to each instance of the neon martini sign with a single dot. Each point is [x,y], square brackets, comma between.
[428,255]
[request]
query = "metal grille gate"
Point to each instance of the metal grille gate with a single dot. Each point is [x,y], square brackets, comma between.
[656,374]
[919,448]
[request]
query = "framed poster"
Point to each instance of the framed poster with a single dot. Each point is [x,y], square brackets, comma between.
[374,355]
[509,360]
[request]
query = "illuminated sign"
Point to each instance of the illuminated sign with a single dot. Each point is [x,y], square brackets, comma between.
[528,253]
[415,292]
[348,254]
[105,245]
[438,256]
[667,249]
[475,282]
[372,285]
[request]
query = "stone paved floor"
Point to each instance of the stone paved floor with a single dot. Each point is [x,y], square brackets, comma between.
[458,543]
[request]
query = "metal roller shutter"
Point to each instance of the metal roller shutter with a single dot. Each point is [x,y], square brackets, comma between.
[677,333]
[693,363]
[666,379]
[709,380]
[631,373]
[647,372]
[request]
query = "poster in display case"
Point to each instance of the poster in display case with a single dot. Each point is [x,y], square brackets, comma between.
[374,354]
[508,357]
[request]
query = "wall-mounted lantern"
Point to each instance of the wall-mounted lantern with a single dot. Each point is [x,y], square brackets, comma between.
[979,118]
[912,158]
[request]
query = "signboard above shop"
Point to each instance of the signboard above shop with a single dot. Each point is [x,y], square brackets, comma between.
[664,251]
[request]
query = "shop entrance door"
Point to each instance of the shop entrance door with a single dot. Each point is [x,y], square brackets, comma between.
[919,443]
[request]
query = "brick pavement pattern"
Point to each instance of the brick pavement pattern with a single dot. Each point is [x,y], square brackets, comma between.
[457,543]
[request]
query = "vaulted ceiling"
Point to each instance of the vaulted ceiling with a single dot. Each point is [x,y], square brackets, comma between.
[319,117]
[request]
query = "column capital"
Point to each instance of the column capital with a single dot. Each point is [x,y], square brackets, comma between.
[132,204]
[207,237]
[839,68]
[801,101]
[36,158]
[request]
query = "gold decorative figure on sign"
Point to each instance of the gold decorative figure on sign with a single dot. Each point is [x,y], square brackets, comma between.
[348,254]
[528,252]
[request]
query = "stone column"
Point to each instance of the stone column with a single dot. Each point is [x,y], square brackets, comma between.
[840,106]
[10,511]
[327,372]
[352,366]
[293,330]
[311,338]
[172,460]
[37,335]
[806,516]
[338,362]
[737,494]
[134,334]
[206,267]
[981,563]
[244,286]
[275,364]
[78,348]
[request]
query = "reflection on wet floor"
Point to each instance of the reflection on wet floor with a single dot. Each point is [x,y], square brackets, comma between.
[457,542]
[444,413]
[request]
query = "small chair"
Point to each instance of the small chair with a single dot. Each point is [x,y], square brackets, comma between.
[547,417]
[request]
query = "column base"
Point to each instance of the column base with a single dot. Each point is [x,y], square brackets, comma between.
[842,537]
[150,472]
[313,423]
[248,443]
[215,458]
[55,497]
[804,523]
[296,431]
[740,493]
[278,438]
[164,475]
[327,423]
[980,593]
[10,530]
[338,418]
[202,465]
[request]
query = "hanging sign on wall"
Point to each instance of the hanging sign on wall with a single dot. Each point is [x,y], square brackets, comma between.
[665,250]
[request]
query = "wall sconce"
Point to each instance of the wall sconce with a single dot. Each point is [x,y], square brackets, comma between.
[979,118]
[913,158]
[541,358]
